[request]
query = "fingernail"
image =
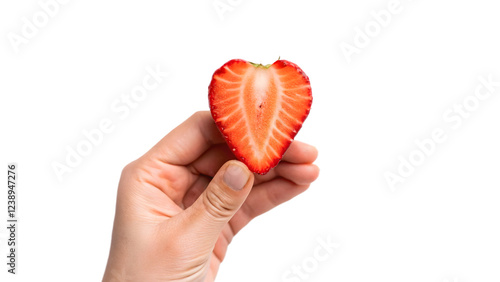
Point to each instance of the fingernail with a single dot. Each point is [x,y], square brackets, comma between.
[235,177]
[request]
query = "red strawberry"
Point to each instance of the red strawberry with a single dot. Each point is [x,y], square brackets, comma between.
[259,109]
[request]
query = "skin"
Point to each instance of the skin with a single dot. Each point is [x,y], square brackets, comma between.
[176,212]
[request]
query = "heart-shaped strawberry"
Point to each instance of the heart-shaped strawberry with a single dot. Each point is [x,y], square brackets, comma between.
[259,109]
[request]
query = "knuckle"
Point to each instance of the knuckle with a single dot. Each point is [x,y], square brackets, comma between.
[130,170]
[218,205]
[199,114]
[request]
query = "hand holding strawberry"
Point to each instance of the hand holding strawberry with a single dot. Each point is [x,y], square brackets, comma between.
[180,205]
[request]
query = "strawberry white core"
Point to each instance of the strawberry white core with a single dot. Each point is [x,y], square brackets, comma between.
[261,86]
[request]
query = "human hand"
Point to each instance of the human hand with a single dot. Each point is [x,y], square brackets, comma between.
[179,206]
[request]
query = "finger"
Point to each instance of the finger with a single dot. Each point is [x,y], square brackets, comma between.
[263,198]
[298,173]
[218,154]
[212,160]
[297,153]
[223,242]
[187,141]
[217,204]
[194,192]
[199,173]
[300,152]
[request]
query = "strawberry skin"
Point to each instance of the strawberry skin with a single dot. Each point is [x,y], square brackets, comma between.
[259,109]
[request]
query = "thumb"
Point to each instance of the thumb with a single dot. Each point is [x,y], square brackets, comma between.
[221,199]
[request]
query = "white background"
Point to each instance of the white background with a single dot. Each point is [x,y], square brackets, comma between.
[441,224]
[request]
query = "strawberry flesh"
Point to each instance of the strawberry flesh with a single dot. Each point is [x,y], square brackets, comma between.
[259,109]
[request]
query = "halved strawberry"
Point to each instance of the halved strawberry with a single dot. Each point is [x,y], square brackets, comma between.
[259,109]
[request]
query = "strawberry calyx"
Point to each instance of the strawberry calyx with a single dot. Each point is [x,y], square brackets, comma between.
[260,65]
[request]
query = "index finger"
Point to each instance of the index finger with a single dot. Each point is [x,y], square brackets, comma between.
[300,153]
[188,141]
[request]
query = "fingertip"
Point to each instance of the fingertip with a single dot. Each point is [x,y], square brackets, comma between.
[310,174]
[236,175]
[300,152]
[313,152]
[314,172]
[300,174]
